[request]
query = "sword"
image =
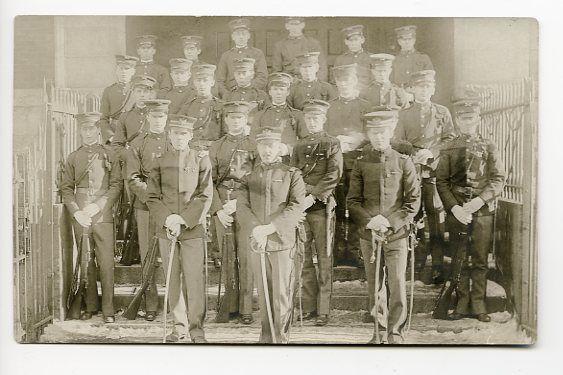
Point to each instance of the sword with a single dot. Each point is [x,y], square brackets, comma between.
[376,244]
[173,241]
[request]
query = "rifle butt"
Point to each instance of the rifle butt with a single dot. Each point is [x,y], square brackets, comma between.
[443,303]
[75,308]
[131,312]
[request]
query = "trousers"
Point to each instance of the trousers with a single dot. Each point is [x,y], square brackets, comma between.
[146,232]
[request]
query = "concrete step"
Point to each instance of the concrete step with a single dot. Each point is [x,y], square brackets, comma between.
[347,295]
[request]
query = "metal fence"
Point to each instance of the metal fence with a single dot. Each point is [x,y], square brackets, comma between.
[505,116]
[38,213]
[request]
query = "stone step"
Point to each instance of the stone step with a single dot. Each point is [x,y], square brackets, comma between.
[345,327]
[347,295]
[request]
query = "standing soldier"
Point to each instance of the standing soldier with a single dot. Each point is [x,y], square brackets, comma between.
[116,97]
[309,87]
[90,186]
[240,33]
[232,158]
[179,192]
[319,158]
[354,39]
[296,43]
[146,49]
[205,107]
[469,178]
[270,207]
[243,90]
[131,124]
[383,198]
[181,91]
[421,132]
[192,50]
[345,122]
[140,158]
[409,60]
[279,115]
[382,92]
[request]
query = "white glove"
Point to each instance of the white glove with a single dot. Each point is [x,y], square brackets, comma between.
[422,156]
[461,214]
[230,206]
[83,218]
[378,223]
[91,209]
[261,233]
[284,149]
[309,201]
[224,218]
[474,205]
[174,220]
[174,230]
[356,140]
[344,142]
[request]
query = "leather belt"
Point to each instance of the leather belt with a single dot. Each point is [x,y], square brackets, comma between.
[231,184]
[88,191]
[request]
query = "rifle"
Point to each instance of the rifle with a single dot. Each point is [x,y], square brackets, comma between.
[444,300]
[79,285]
[147,273]
[330,205]
[130,253]
[229,261]
[173,242]
[412,242]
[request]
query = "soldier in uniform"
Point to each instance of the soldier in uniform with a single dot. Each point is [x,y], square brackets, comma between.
[115,97]
[131,124]
[309,87]
[146,48]
[240,33]
[470,177]
[232,158]
[140,157]
[270,207]
[319,158]
[205,107]
[243,90]
[90,186]
[354,39]
[181,91]
[409,60]
[280,115]
[422,130]
[180,190]
[383,198]
[296,43]
[382,92]
[345,122]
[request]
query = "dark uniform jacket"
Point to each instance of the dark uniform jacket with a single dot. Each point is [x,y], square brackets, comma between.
[302,91]
[421,127]
[92,175]
[156,71]
[131,124]
[288,120]
[272,194]
[112,105]
[248,94]
[180,183]
[407,63]
[363,69]
[470,167]
[232,158]
[378,94]
[208,126]
[225,71]
[140,158]
[287,49]
[178,95]
[383,183]
[319,159]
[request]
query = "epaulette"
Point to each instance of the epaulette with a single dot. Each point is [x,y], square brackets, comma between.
[440,108]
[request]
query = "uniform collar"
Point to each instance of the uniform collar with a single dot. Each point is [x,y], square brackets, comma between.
[315,136]
[243,87]
[355,54]
[92,147]
[284,105]
[411,52]
[235,138]
[240,48]
[296,37]
[273,165]
[146,62]
[155,135]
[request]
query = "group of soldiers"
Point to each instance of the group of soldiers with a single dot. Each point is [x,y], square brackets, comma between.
[280,163]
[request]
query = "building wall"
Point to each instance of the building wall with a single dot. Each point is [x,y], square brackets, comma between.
[495,49]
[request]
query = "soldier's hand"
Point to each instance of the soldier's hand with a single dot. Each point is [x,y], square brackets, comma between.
[83,218]
[379,223]
[224,218]
[230,206]
[174,220]
[422,156]
[474,205]
[462,215]
[91,209]
[309,201]
[174,230]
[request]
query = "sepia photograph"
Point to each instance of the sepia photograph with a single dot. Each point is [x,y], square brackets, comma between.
[273,180]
